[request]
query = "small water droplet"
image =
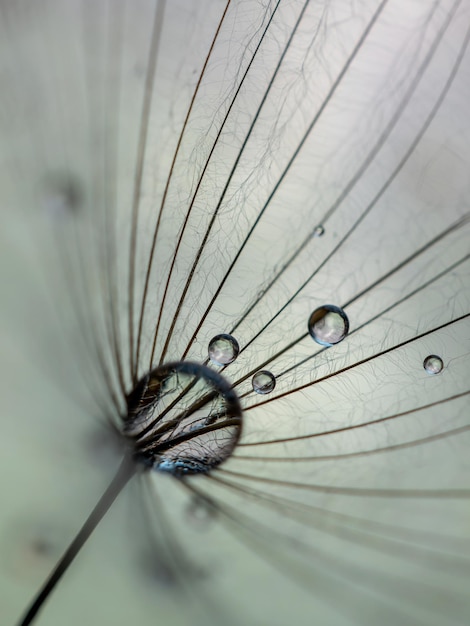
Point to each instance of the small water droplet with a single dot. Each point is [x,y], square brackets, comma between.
[433,364]
[328,325]
[318,231]
[263,382]
[223,349]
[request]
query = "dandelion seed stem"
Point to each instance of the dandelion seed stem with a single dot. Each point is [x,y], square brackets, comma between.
[125,472]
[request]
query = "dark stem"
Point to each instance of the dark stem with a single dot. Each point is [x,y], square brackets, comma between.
[125,472]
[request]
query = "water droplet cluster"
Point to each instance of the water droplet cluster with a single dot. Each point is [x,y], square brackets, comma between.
[185,418]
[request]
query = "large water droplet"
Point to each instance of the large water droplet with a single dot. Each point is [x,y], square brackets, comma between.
[328,325]
[433,364]
[318,231]
[263,382]
[223,349]
[183,418]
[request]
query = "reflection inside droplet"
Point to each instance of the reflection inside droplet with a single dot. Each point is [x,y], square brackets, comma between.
[433,364]
[183,418]
[328,325]
[223,349]
[263,382]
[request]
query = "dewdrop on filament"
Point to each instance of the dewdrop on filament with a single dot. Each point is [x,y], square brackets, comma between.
[433,364]
[263,382]
[223,349]
[328,325]
[183,418]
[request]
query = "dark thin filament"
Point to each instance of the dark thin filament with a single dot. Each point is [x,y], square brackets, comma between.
[357,176]
[292,159]
[259,536]
[343,429]
[361,362]
[125,472]
[285,506]
[338,525]
[226,186]
[144,122]
[354,299]
[162,205]
[451,494]
[201,177]
[383,189]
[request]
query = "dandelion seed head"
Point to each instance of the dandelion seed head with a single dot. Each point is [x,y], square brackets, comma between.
[210,142]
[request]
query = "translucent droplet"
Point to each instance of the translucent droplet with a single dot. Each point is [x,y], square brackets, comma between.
[223,349]
[328,325]
[183,418]
[263,382]
[318,231]
[433,364]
